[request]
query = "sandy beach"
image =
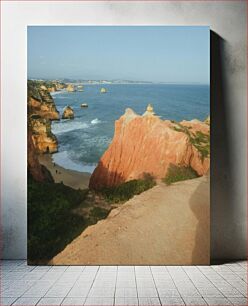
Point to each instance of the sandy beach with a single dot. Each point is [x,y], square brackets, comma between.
[70,178]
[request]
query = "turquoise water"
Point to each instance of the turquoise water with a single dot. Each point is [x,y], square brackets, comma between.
[82,141]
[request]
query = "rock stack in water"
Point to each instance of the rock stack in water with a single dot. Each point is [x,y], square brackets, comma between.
[146,144]
[68,113]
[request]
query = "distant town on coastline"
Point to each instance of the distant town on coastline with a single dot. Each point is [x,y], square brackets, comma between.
[117,81]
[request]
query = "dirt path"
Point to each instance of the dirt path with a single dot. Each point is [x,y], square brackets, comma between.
[164,225]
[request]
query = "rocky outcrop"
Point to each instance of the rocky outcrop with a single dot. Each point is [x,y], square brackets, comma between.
[43,139]
[147,144]
[60,86]
[41,110]
[40,102]
[37,171]
[68,113]
[207,120]
[52,89]
[70,88]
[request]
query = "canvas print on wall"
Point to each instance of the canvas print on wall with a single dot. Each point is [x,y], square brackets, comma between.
[118,145]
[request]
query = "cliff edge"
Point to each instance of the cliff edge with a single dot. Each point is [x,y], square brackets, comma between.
[163,225]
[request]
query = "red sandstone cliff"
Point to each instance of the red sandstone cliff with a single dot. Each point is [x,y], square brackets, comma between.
[147,144]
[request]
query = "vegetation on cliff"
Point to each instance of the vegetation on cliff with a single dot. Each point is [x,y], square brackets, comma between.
[179,173]
[200,140]
[51,225]
[127,190]
[49,85]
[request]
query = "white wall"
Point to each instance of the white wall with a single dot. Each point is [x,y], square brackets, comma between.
[229,97]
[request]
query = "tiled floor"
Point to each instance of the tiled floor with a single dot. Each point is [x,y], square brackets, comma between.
[125,285]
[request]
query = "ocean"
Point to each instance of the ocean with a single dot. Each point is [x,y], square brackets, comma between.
[83,140]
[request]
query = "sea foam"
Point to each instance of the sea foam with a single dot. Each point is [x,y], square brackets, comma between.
[67,126]
[95,121]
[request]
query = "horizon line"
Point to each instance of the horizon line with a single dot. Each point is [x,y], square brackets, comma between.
[114,80]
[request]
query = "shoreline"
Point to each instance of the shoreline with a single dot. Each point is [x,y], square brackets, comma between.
[71,178]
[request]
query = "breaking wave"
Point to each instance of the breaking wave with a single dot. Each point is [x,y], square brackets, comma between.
[95,121]
[67,126]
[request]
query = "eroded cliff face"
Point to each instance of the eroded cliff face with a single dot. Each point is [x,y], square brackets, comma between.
[147,144]
[41,110]
[35,169]
[43,139]
[40,102]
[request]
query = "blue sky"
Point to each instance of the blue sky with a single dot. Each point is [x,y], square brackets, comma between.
[143,53]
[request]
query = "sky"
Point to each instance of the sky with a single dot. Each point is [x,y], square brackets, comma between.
[139,53]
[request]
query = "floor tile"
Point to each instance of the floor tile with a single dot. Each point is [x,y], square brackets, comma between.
[124,285]
[102,292]
[126,301]
[58,291]
[7,301]
[79,291]
[238,301]
[229,291]
[50,301]
[149,301]
[75,269]
[166,301]
[73,301]
[194,301]
[189,292]
[164,292]
[26,301]
[99,301]
[209,292]
[217,301]
[126,292]
[147,292]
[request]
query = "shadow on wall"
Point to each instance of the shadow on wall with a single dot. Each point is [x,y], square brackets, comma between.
[200,206]
[225,232]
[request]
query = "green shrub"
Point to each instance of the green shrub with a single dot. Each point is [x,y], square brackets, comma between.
[98,213]
[202,143]
[179,173]
[51,222]
[127,190]
[199,140]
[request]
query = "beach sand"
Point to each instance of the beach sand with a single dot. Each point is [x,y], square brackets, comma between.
[71,178]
